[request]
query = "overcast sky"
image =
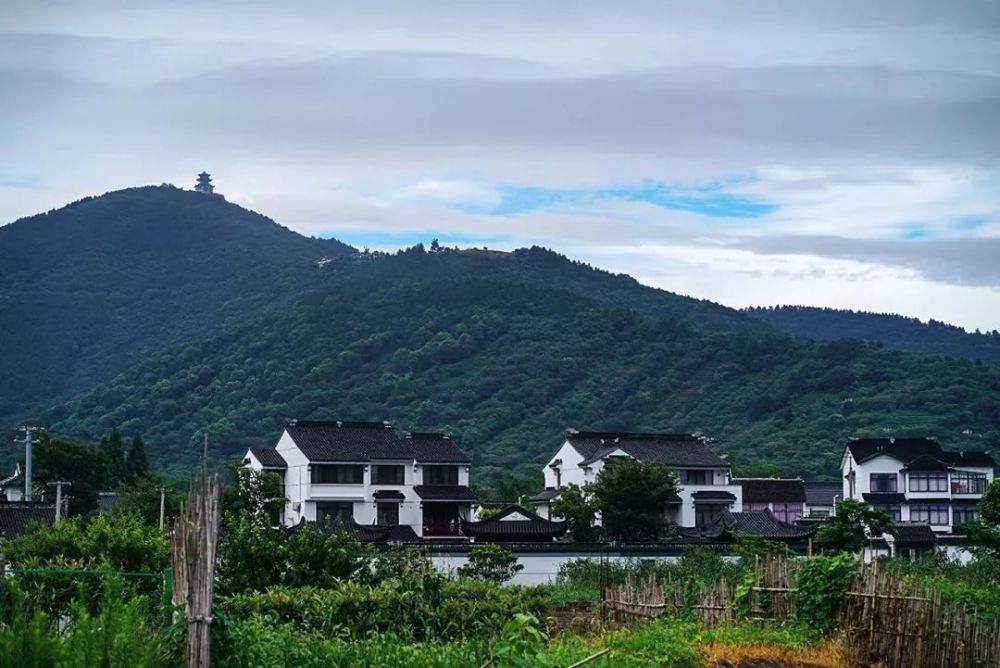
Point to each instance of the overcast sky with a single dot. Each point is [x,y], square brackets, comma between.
[752,153]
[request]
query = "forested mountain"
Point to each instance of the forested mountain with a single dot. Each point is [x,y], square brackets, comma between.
[169,313]
[436,341]
[893,331]
[88,289]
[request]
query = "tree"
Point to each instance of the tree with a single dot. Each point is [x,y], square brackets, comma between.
[114,457]
[79,464]
[850,528]
[985,533]
[575,504]
[136,464]
[989,504]
[490,562]
[632,497]
[435,246]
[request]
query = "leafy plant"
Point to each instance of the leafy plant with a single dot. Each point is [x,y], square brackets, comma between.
[822,583]
[632,496]
[520,643]
[852,526]
[576,505]
[490,562]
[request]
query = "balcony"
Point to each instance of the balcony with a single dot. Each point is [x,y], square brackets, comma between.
[969,486]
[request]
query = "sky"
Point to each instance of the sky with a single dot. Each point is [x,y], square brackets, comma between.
[752,153]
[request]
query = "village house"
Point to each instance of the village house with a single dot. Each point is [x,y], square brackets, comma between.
[915,481]
[706,490]
[365,474]
[822,498]
[785,498]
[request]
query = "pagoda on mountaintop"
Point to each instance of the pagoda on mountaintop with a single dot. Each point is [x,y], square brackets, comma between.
[204,184]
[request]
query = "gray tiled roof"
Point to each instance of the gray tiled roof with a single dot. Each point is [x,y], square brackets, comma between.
[15,518]
[269,458]
[762,524]
[676,450]
[445,493]
[545,495]
[498,527]
[764,490]
[343,441]
[908,450]
[823,493]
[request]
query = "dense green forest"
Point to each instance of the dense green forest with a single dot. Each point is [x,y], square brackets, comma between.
[168,313]
[88,289]
[435,341]
[893,331]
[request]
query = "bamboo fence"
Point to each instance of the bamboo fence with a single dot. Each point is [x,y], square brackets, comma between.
[887,618]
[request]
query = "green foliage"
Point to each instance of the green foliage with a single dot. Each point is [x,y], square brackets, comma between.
[750,547]
[849,530]
[893,331]
[490,562]
[252,557]
[989,504]
[79,464]
[521,640]
[121,633]
[632,497]
[664,643]
[696,566]
[822,583]
[576,505]
[974,585]
[415,609]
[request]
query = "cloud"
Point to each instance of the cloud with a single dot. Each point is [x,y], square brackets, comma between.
[777,151]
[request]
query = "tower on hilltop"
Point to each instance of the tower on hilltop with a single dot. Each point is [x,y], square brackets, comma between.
[204,184]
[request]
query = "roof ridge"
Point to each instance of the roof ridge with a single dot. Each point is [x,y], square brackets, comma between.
[353,424]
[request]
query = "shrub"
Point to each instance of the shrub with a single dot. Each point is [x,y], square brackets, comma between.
[822,583]
[490,562]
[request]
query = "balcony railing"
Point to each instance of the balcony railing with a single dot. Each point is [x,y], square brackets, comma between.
[969,486]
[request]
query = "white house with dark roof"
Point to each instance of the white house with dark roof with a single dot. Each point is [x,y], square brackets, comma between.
[364,473]
[706,489]
[822,498]
[916,481]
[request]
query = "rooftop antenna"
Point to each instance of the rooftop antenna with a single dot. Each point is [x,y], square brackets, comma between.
[29,431]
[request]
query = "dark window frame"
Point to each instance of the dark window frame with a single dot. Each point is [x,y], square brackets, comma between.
[883,482]
[930,513]
[706,513]
[695,477]
[968,482]
[337,474]
[342,511]
[379,469]
[383,506]
[964,514]
[894,511]
[441,474]
[929,481]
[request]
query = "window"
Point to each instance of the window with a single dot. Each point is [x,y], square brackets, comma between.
[929,482]
[819,512]
[929,512]
[688,477]
[335,511]
[883,482]
[963,514]
[440,475]
[387,474]
[338,474]
[707,513]
[756,507]
[788,512]
[388,514]
[895,513]
[966,482]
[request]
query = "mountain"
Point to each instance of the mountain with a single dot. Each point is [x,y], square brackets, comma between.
[450,341]
[893,331]
[172,313]
[91,288]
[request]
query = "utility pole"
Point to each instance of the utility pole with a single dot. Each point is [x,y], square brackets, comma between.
[204,450]
[58,484]
[163,491]
[28,433]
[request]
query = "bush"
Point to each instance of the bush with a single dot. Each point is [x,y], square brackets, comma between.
[490,562]
[822,583]
[420,609]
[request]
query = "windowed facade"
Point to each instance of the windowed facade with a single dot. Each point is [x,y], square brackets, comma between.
[335,511]
[440,475]
[787,512]
[706,513]
[928,481]
[388,514]
[963,514]
[694,477]
[386,474]
[894,512]
[883,482]
[755,507]
[338,474]
[966,482]
[932,513]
